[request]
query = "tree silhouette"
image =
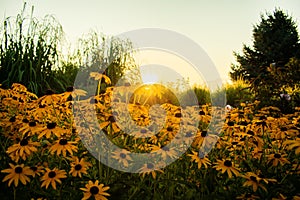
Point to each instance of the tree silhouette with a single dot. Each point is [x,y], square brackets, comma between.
[265,66]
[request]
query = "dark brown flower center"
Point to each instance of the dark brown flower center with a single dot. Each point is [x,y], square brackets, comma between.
[63,141]
[178,115]
[12,119]
[250,132]
[170,128]
[253,178]
[94,190]
[227,163]
[18,170]
[262,117]
[93,100]
[52,174]
[189,134]
[143,131]
[51,125]
[111,119]
[24,142]
[42,106]
[32,124]
[277,155]
[203,133]
[70,98]
[70,89]
[230,123]
[283,129]
[201,112]
[123,155]
[78,167]
[243,123]
[165,148]
[25,120]
[150,166]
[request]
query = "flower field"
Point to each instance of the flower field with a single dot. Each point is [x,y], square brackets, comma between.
[256,155]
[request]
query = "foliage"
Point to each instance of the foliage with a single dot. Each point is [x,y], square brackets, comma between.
[29,52]
[256,155]
[202,93]
[275,45]
[109,55]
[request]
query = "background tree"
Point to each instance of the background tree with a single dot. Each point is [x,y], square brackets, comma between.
[275,44]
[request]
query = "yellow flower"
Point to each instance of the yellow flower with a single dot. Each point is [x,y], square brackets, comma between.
[253,181]
[99,77]
[30,128]
[37,170]
[200,161]
[149,168]
[22,150]
[277,158]
[62,146]
[293,144]
[110,122]
[52,128]
[122,156]
[79,166]
[17,173]
[98,191]
[226,166]
[52,176]
[165,152]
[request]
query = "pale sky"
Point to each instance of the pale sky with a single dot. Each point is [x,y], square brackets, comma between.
[218,26]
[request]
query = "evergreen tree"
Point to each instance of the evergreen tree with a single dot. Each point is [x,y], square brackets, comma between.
[266,66]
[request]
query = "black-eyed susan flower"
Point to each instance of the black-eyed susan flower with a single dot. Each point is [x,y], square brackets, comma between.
[149,168]
[100,77]
[96,190]
[169,131]
[111,123]
[142,133]
[22,149]
[52,176]
[51,128]
[278,158]
[165,152]
[49,98]
[79,167]
[31,128]
[62,146]
[37,170]
[226,165]
[204,139]
[254,181]
[122,156]
[201,161]
[282,132]
[293,144]
[17,173]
